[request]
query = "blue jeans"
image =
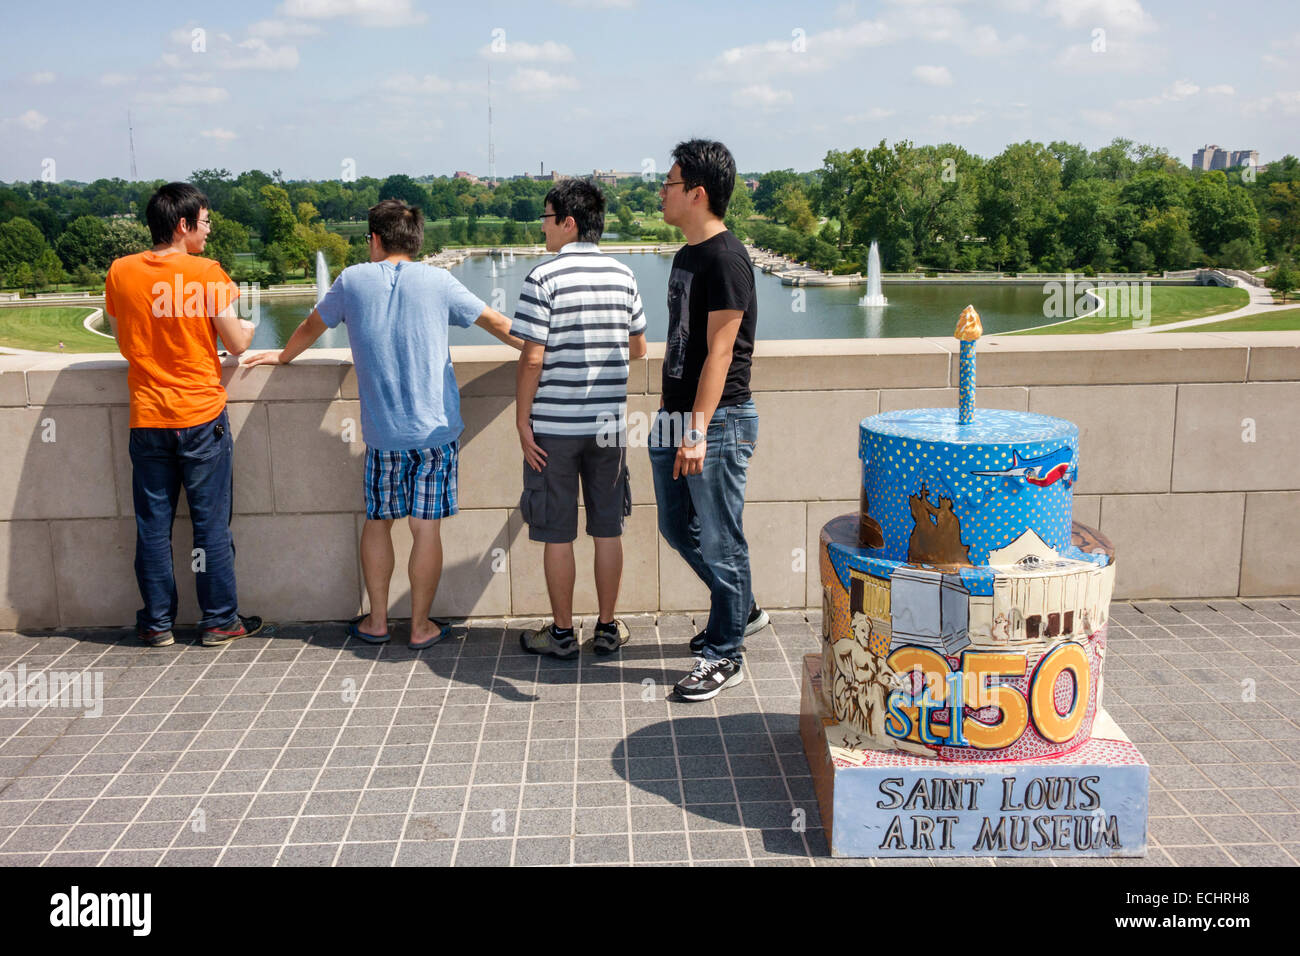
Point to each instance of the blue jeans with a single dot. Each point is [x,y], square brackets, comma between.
[202,459]
[700,517]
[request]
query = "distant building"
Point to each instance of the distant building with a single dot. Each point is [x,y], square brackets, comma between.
[610,177]
[461,174]
[752,184]
[1213,156]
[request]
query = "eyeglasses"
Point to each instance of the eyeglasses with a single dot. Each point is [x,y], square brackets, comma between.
[672,182]
[549,215]
[203,222]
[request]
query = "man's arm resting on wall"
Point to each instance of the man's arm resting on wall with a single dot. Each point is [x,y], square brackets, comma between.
[499,326]
[236,333]
[307,332]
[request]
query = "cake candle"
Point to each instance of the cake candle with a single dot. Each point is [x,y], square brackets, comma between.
[968,331]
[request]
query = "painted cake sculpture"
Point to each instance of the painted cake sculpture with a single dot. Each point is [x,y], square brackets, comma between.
[964,620]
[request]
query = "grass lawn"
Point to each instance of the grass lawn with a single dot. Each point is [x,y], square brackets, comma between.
[1168,304]
[1285,320]
[41,328]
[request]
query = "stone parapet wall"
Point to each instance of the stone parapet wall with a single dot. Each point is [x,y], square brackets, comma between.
[1189,451]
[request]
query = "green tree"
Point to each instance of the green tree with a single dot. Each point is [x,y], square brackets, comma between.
[406,189]
[1282,281]
[793,208]
[20,276]
[48,269]
[626,224]
[84,242]
[1239,253]
[1140,258]
[1018,196]
[226,238]
[1169,237]
[20,241]
[769,185]
[124,237]
[1220,212]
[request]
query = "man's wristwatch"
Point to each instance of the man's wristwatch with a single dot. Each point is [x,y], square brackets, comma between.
[693,437]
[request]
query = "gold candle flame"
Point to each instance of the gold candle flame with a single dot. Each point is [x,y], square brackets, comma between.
[968,325]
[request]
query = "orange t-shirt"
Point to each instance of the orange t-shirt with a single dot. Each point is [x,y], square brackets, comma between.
[164,306]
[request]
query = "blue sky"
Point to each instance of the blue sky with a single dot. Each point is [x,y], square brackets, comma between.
[401,85]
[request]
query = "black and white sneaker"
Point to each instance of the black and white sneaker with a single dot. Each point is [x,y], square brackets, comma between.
[758,620]
[708,678]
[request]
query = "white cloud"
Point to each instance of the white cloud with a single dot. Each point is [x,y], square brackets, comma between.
[41,78]
[408,84]
[1101,118]
[369,13]
[1286,102]
[1125,15]
[872,115]
[519,51]
[763,96]
[184,95]
[1177,91]
[933,75]
[1221,89]
[958,119]
[218,133]
[540,83]
[279,29]
[601,4]
[256,54]
[31,120]
[114,79]
[819,51]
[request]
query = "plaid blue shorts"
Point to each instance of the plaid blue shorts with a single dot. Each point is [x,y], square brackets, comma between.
[420,482]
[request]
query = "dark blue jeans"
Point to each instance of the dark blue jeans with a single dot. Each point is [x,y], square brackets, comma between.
[202,459]
[700,517]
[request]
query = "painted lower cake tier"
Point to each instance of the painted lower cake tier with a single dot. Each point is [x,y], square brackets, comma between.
[968,663]
[941,493]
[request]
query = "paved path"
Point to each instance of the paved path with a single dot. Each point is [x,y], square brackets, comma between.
[1261,300]
[304,748]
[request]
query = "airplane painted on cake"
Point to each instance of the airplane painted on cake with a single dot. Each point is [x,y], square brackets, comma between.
[1041,471]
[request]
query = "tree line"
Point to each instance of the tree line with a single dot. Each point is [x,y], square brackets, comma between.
[1049,208]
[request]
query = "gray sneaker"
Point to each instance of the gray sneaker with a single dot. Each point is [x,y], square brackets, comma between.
[544,641]
[758,620]
[157,638]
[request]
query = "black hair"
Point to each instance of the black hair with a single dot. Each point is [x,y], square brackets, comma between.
[169,205]
[709,164]
[584,201]
[400,227]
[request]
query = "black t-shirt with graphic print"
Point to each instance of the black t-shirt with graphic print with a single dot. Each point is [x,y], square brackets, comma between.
[707,277]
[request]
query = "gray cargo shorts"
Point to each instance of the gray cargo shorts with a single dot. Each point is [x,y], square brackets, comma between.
[550,499]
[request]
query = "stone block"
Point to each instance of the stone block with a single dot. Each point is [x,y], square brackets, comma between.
[808,445]
[638,591]
[13,387]
[252,460]
[817,364]
[309,378]
[94,571]
[775,531]
[300,567]
[491,461]
[475,566]
[897,399]
[1174,546]
[1237,437]
[312,467]
[28,597]
[1126,433]
[1270,559]
[1109,359]
[76,380]
[59,463]
[1087,510]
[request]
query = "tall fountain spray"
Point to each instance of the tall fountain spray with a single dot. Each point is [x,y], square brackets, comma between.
[873,296]
[322,276]
[494,266]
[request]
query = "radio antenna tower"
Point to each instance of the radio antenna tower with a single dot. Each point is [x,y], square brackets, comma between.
[130,138]
[492,150]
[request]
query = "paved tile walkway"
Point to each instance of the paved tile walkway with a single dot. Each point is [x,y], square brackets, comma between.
[306,749]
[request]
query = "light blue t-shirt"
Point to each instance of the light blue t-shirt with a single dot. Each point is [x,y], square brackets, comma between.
[397,316]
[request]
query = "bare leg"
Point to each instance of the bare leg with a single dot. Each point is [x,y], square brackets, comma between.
[557,561]
[377,569]
[425,571]
[609,572]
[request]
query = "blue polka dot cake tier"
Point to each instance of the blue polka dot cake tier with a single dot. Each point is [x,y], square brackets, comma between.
[938,492]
